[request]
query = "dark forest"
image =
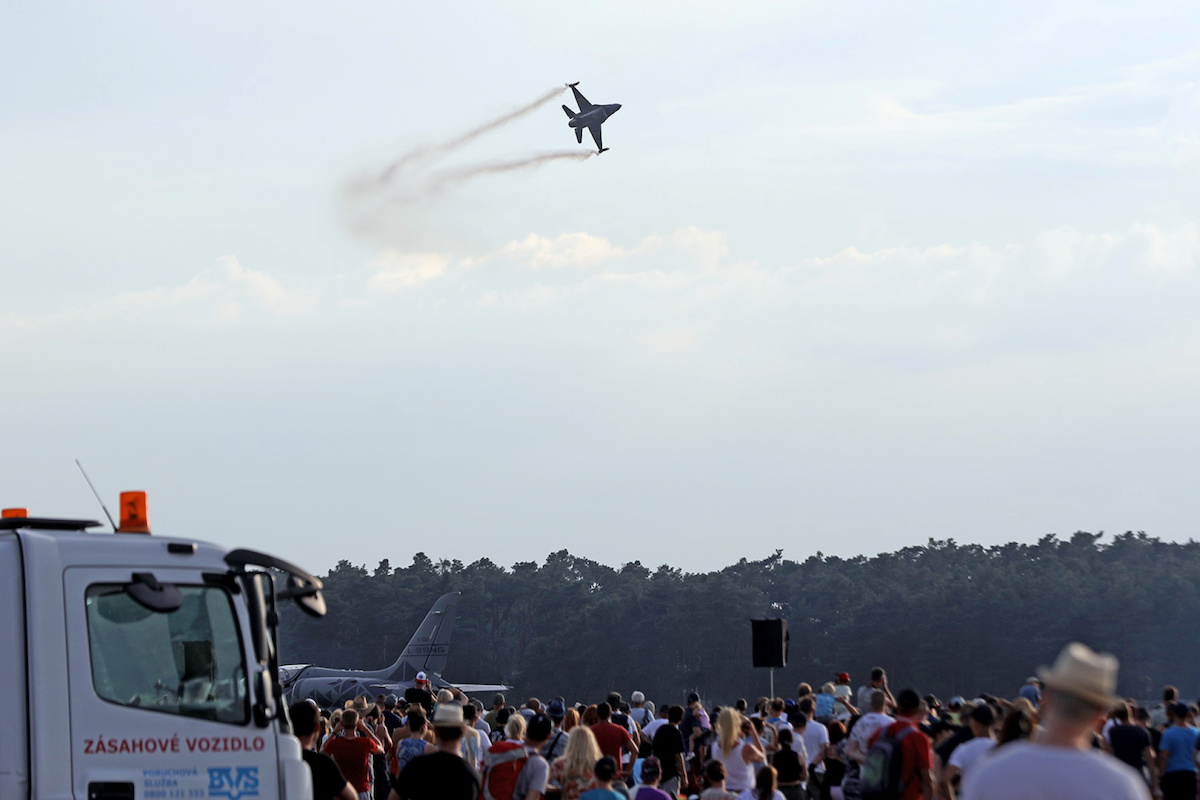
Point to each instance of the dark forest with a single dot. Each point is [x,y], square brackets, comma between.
[944,618]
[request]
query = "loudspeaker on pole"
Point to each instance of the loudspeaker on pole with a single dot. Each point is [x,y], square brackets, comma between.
[770,642]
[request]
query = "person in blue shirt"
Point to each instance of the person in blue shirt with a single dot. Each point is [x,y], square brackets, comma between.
[1175,764]
[1031,691]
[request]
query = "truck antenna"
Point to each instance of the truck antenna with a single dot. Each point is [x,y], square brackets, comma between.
[98,500]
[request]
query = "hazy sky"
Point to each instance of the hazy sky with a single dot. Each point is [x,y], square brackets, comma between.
[853,275]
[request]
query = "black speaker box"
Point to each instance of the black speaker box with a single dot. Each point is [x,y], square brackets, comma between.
[770,642]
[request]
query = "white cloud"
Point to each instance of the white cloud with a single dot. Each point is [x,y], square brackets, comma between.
[394,270]
[220,295]
[580,250]
[681,292]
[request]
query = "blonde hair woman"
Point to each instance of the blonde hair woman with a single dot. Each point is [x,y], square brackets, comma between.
[738,748]
[570,720]
[573,773]
[514,729]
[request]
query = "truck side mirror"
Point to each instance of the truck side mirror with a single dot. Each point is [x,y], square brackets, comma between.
[264,698]
[310,598]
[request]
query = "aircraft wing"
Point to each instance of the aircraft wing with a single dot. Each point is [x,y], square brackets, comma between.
[386,687]
[472,688]
[594,129]
[584,105]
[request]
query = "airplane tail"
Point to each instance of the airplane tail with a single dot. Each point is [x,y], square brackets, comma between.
[570,113]
[429,647]
[579,135]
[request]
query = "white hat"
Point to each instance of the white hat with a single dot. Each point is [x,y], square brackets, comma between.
[447,715]
[1081,672]
[421,678]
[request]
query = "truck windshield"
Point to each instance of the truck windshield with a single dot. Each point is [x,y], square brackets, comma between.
[188,661]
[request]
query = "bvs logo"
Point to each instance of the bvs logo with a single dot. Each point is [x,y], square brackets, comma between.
[233,782]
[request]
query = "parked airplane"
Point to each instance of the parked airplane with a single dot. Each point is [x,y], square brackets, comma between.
[589,116]
[426,652]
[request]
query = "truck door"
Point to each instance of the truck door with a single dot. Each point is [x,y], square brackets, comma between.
[160,699]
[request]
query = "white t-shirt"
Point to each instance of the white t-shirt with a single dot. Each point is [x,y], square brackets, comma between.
[815,736]
[865,728]
[840,712]
[649,730]
[970,751]
[1024,771]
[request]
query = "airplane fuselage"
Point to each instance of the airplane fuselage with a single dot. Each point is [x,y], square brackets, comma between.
[597,114]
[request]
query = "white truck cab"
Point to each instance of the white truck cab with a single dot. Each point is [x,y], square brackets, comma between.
[136,667]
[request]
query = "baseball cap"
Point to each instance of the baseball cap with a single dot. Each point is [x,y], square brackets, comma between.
[421,678]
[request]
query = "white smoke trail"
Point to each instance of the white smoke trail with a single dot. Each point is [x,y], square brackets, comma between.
[434,151]
[372,199]
[439,182]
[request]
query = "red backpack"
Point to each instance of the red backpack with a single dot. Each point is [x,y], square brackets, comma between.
[501,766]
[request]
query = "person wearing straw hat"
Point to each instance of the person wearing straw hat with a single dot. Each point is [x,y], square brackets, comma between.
[1061,765]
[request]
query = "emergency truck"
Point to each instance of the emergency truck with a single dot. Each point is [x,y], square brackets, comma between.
[137,667]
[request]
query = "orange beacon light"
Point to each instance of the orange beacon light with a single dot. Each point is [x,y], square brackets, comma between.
[133,513]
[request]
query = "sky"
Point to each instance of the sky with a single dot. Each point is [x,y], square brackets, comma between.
[853,275]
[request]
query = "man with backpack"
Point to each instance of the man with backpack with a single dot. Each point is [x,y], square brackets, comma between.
[516,770]
[899,763]
[442,774]
[639,713]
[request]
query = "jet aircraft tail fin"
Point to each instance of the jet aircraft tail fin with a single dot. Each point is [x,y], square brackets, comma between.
[429,647]
[570,113]
[579,135]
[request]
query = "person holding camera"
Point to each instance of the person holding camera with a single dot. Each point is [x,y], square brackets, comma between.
[352,746]
[738,748]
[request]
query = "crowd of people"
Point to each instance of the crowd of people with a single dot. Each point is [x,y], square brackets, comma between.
[1064,735]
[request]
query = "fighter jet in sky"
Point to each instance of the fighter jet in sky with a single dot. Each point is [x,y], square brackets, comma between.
[426,652]
[590,117]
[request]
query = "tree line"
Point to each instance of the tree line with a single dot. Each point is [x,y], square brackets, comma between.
[943,618]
